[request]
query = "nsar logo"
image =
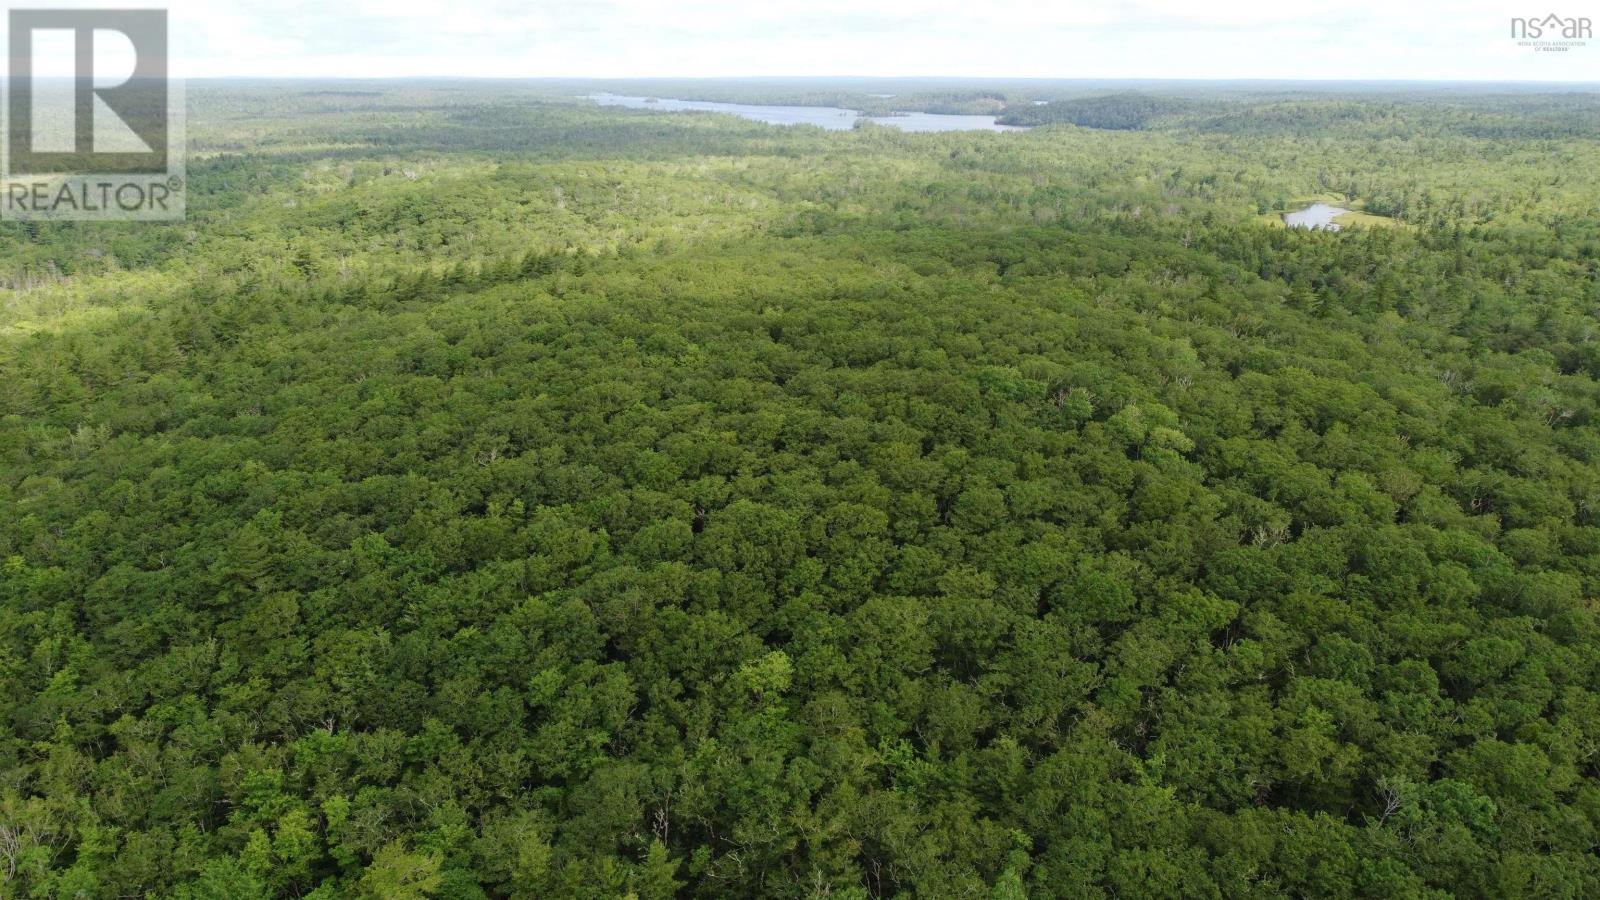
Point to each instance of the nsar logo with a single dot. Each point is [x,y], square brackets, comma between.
[1552,32]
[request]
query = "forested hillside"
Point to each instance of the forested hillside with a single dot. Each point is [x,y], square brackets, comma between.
[488,495]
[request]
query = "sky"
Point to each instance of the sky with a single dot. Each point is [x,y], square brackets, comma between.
[1200,39]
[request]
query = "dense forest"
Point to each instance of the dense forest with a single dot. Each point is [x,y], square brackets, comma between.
[488,495]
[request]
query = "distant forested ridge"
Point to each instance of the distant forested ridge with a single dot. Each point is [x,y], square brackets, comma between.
[1125,111]
[485,494]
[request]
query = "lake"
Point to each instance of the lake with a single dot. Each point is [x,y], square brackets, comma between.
[921,121]
[1317,215]
[830,117]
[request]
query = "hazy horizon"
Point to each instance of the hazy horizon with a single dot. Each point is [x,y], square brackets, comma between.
[954,79]
[1243,40]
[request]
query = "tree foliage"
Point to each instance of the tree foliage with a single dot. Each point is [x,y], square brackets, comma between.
[487,496]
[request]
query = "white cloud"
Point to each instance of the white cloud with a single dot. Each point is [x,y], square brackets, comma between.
[1348,39]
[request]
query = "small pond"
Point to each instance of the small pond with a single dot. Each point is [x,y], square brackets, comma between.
[1317,215]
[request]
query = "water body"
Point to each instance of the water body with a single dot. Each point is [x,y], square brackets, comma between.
[1317,215]
[820,116]
[921,121]
[828,117]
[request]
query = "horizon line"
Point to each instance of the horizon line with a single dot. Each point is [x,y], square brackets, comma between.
[1068,78]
